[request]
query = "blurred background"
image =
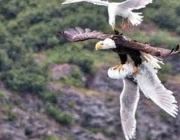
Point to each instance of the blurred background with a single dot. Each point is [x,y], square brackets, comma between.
[51,89]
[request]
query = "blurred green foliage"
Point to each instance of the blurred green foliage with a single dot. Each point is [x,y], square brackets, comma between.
[58,115]
[75,78]
[28,27]
[165,14]
[50,137]
[166,69]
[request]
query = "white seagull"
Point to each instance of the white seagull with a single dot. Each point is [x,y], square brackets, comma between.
[124,9]
[149,83]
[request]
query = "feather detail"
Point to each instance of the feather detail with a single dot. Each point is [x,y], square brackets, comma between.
[129,100]
[97,2]
[135,18]
[134,4]
[152,87]
[78,34]
[154,61]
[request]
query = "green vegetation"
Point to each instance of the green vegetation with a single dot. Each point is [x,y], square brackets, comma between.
[166,69]
[10,115]
[166,14]
[50,137]
[29,27]
[50,97]
[58,115]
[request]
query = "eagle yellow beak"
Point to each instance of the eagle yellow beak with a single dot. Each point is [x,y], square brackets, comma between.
[99,45]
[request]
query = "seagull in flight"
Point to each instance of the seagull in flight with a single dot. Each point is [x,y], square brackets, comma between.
[148,82]
[123,9]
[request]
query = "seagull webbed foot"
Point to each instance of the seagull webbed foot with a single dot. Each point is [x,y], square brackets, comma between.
[126,24]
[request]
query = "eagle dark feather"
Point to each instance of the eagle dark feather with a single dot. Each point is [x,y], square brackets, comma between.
[78,34]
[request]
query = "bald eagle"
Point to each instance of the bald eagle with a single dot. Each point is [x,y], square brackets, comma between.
[146,79]
[123,46]
[124,9]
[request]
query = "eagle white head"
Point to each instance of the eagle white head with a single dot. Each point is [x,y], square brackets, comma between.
[108,43]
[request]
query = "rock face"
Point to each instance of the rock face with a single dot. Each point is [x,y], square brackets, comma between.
[60,71]
[95,111]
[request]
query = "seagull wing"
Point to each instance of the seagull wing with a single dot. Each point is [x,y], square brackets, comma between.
[134,4]
[152,87]
[129,100]
[79,34]
[97,2]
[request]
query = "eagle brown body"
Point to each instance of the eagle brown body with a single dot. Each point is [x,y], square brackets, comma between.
[123,51]
[124,45]
[78,34]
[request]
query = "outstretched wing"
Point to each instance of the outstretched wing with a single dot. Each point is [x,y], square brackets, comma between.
[122,40]
[134,4]
[97,2]
[79,34]
[152,87]
[129,100]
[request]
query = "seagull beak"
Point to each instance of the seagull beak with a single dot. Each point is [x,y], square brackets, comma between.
[113,27]
[99,45]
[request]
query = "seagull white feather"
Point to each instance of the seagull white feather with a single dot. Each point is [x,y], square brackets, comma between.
[129,101]
[152,87]
[124,9]
[154,61]
[123,73]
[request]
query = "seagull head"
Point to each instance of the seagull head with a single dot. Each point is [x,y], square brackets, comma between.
[108,43]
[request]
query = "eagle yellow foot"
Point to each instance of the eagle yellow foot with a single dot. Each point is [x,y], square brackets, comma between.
[118,67]
[135,70]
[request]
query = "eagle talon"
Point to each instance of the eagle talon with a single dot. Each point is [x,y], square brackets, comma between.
[118,67]
[135,70]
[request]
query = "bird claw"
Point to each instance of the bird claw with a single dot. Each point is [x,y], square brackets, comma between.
[135,70]
[118,67]
[116,32]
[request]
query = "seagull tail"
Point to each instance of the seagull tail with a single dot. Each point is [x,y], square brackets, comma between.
[152,87]
[135,18]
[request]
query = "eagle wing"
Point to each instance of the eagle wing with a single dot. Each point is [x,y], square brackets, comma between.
[78,34]
[152,87]
[97,2]
[123,41]
[134,4]
[129,100]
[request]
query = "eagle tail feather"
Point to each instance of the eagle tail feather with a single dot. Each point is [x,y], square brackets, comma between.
[175,50]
